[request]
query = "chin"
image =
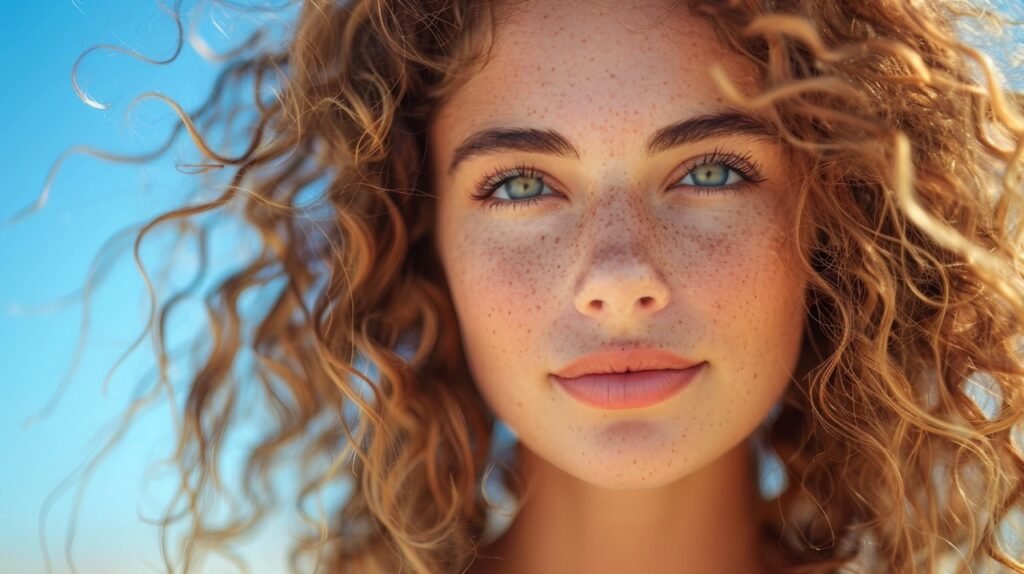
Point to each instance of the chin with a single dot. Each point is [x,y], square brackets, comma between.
[631,479]
[627,472]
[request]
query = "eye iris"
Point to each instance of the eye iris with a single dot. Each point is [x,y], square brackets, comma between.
[711,174]
[523,186]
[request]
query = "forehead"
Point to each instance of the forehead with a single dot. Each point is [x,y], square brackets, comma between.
[594,65]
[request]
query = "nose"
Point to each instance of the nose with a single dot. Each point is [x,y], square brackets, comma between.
[622,287]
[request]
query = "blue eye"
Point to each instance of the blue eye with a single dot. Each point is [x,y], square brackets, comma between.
[712,174]
[522,184]
[720,172]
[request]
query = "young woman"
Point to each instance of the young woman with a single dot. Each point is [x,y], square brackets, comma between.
[663,243]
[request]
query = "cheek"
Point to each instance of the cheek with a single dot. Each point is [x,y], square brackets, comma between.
[753,299]
[751,284]
[736,266]
[502,289]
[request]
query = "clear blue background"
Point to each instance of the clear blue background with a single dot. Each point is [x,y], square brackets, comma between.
[47,256]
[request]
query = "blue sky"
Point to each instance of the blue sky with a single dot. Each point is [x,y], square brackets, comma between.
[47,255]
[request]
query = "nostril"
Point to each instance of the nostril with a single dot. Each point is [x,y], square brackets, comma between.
[646,301]
[596,305]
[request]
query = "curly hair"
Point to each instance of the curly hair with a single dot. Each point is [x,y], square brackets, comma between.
[909,149]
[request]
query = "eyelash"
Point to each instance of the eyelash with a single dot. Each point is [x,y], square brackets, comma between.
[743,164]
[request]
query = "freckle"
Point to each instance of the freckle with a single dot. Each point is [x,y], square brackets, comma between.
[542,237]
[556,240]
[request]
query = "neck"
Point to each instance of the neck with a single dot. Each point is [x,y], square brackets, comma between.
[704,522]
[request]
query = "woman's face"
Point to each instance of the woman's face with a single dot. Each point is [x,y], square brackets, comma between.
[598,240]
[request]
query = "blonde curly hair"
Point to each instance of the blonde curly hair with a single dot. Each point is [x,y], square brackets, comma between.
[909,210]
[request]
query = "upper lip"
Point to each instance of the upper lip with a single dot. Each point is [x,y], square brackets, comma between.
[623,360]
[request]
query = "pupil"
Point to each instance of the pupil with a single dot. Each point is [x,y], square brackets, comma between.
[522,185]
[715,174]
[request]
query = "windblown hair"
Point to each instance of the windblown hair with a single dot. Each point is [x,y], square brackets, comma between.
[908,149]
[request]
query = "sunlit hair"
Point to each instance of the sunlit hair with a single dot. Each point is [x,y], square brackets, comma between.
[906,153]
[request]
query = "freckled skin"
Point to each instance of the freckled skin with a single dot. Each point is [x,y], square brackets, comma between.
[537,287]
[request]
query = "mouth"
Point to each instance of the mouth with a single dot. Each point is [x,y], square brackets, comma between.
[625,360]
[630,389]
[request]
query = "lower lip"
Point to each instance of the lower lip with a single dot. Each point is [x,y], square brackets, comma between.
[628,390]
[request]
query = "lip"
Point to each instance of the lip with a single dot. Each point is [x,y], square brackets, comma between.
[628,390]
[601,379]
[622,360]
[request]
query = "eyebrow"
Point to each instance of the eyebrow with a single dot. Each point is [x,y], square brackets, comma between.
[533,140]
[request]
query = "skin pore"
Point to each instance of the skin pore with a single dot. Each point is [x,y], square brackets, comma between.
[684,247]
